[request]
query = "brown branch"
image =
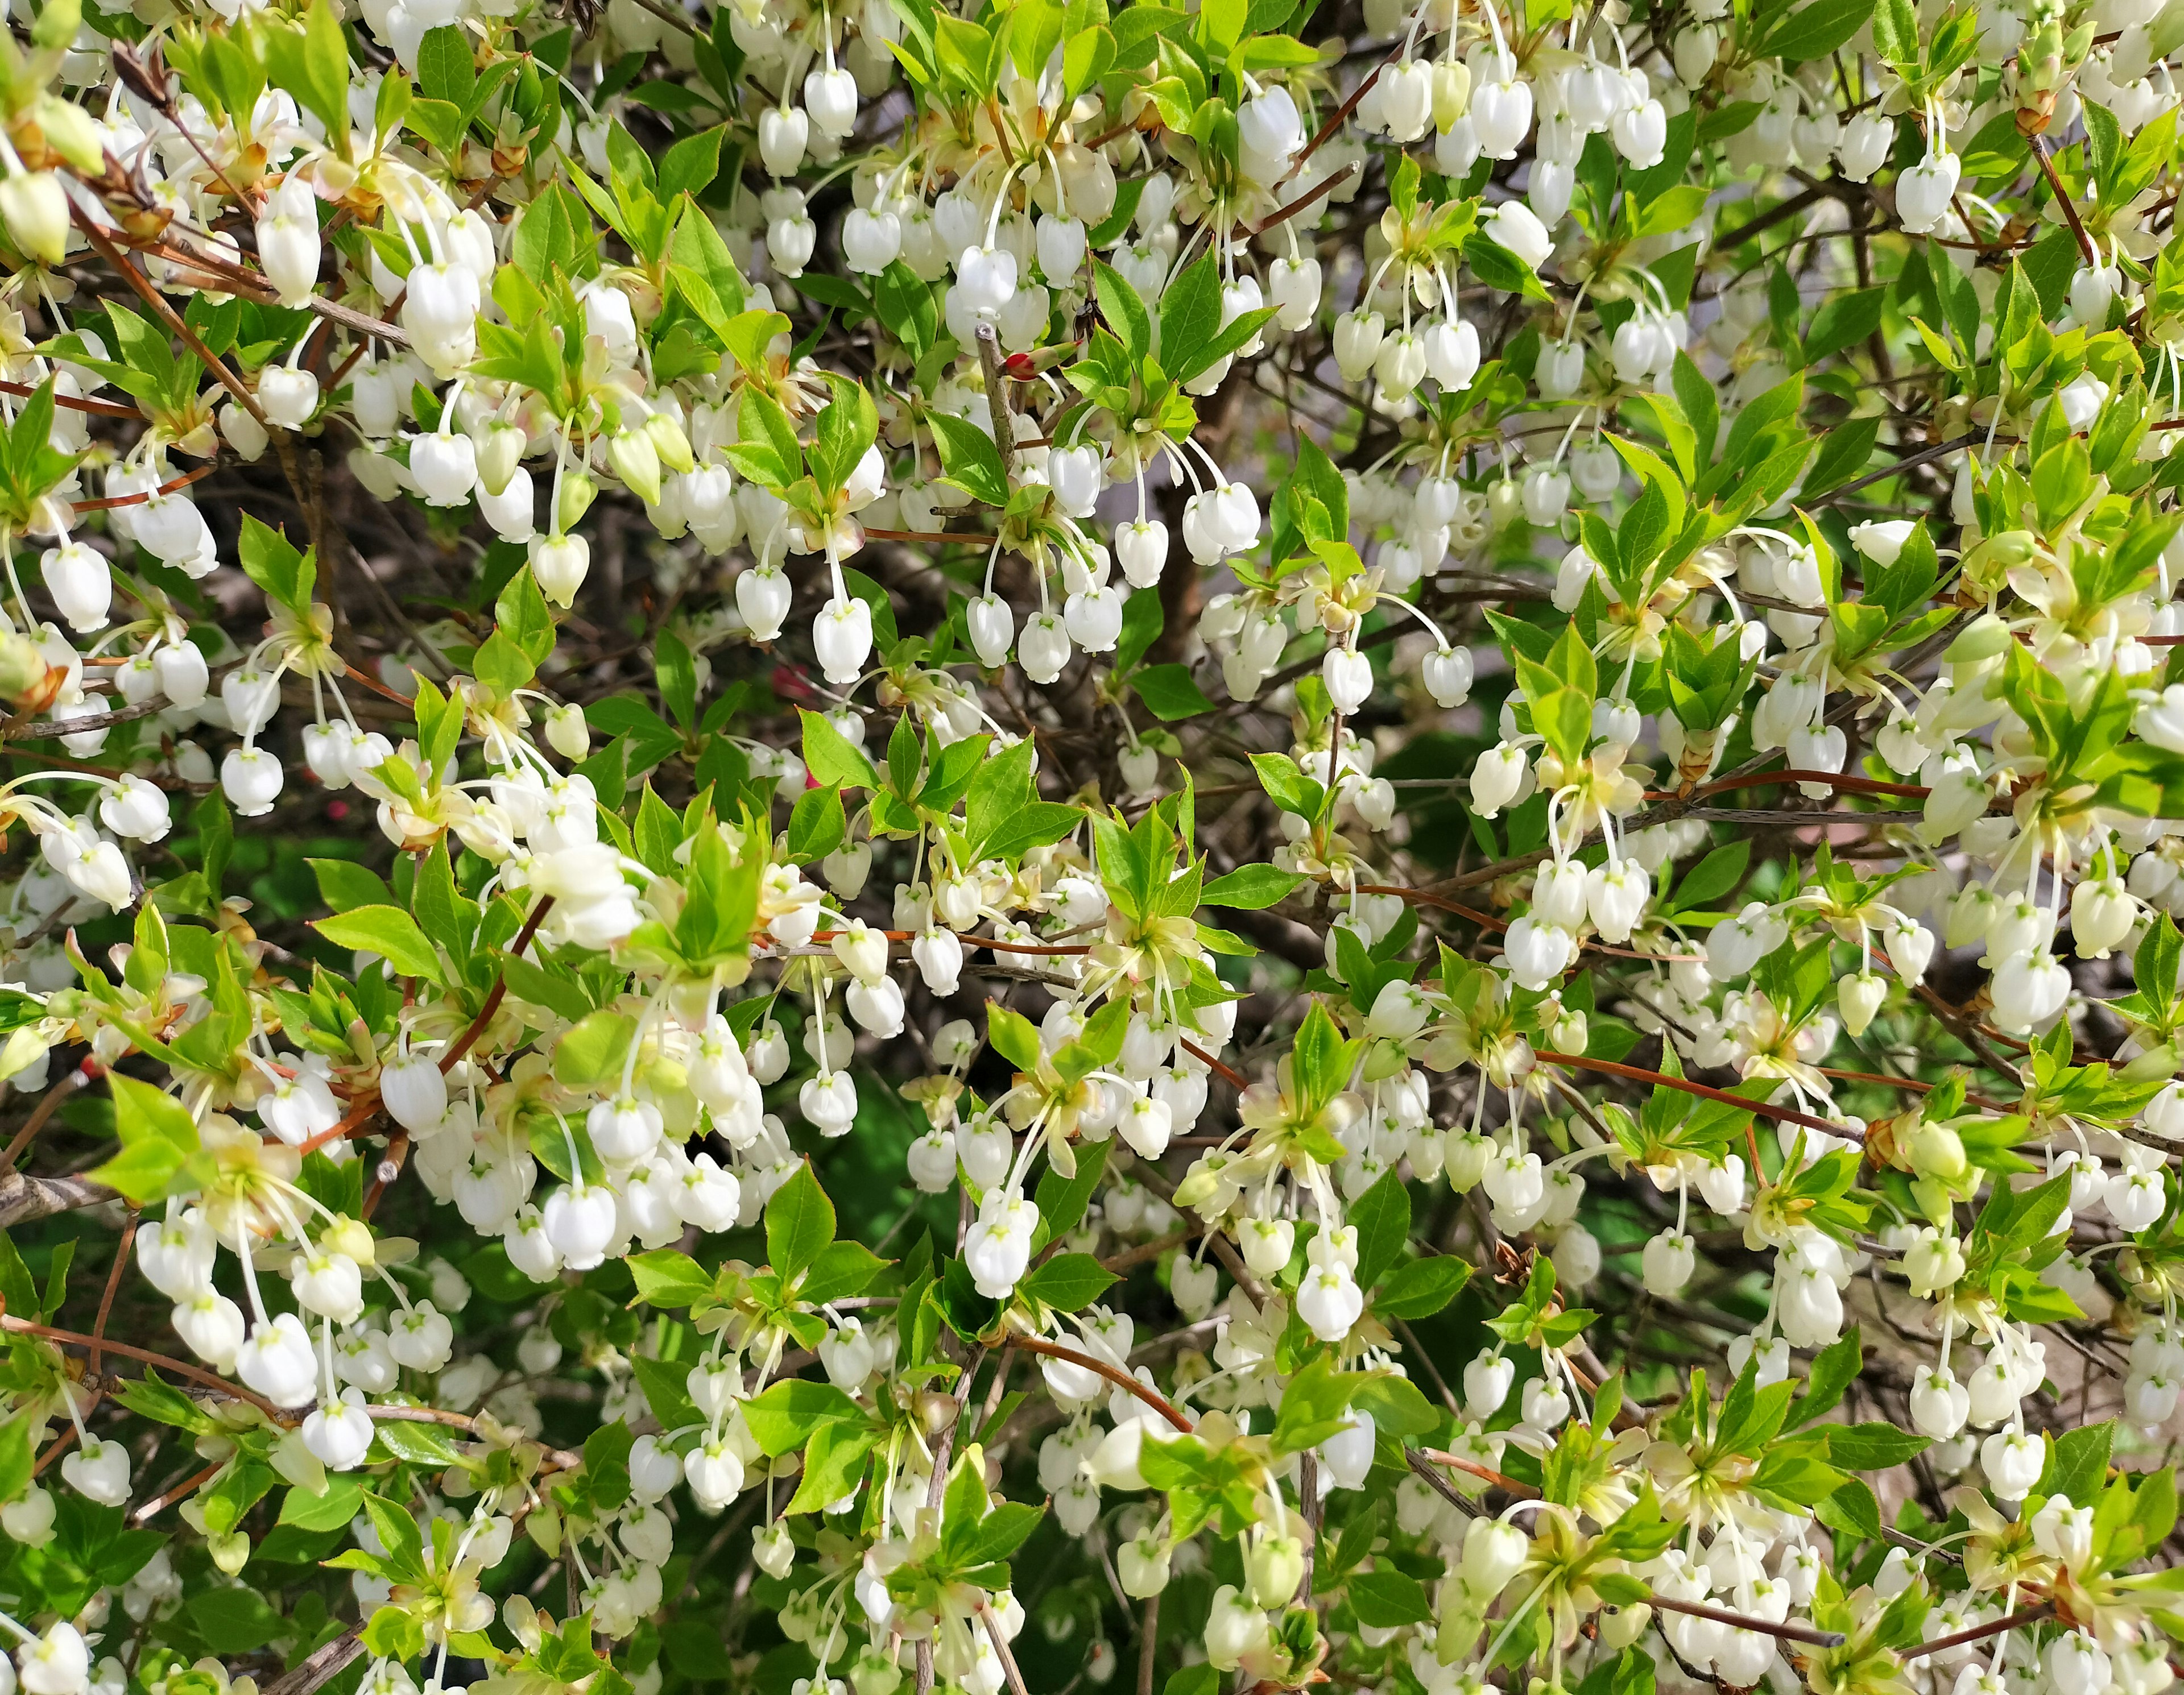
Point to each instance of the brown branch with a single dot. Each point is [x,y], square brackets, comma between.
[1340,115]
[1994,1627]
[1227,1074]
[189,1486]
[68,403]
[158,301]
[1439,1485]
[1767,220]
[1305,199]
[24,1199]
[998,410]
[1911,462]
[323,1665]
[1639,1074]
[1834,780]
[1744,1621]
[113,1283]
[2062,198]
[48,1104]
[181,1368]
[61,762]
[498,992]
[1149,1250]
[1507,1485]
[1120,1378]
[1009,1667]
[51,729]
[108,503]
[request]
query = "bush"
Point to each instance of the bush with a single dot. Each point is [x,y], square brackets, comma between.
[1476,710]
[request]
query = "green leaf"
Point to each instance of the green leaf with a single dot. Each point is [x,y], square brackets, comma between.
[418,1444]
[667,1277]
[842,1269]
[1170,693]
[1816,31]
[665,1393]
[332,1508]
[1873,1447]
[1088,53]
[905,303]
[1833,1370]
[1061,1200]
[691,164]
[1012,1035]
[799,1221]
[1068,1282]
[312,64]
[16,1286]
[387,931]
[833,1460]
[143,1174]
[1713,876]
[1003,816]
[270,561]
[1419,1288]
[1385,1600]
[2077,1467]
[1853,1510]
[16,1457]
[831,758]
[1382,1218]
[445,69]
[1845,453]
[1896,31]
[1845,319]
[1124,313]
[1250,888]
[1288,786]
[817,824]
[969,458]
[1189,317]
[1320,1064]
[144,1113]
[783,1416]
[1315,1406]
[766,449]
[676,674]
[231,1620]
[847,425]
[590,1053]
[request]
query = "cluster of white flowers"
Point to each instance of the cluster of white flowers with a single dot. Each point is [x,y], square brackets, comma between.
[1631,557]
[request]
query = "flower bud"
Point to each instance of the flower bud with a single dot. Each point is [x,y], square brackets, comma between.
[1274,1567]
[35,208]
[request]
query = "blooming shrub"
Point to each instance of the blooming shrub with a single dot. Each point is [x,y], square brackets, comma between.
[881,845]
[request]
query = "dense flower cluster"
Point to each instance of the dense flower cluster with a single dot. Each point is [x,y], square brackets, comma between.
[650,650]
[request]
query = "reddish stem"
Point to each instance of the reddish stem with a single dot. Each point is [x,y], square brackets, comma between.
[1120,1379]
[1615,1068]
[498,992]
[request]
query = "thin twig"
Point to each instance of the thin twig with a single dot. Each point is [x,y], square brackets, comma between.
[158,301]
[189,1486]
[1744,1621]
[2062,199]
[1639,1074]
[113,1283]
[48,1104]
[1121,1379]
[181,1368]
[499,991]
